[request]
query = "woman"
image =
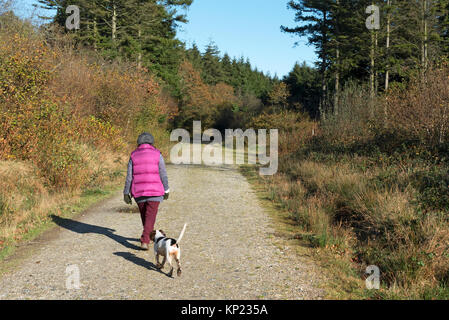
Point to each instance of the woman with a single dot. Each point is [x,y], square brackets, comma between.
[147,183]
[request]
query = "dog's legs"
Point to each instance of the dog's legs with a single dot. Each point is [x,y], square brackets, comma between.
[170,262]
[179,271]
[163,262]
[158,265]
[178,261]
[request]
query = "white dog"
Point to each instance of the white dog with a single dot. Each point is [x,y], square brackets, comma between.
[168,248]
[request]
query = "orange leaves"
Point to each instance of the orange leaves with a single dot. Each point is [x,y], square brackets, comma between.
[279,95]
[152,87]
[295,129]
[55,103]
[202,101]
[223,93]
[23,68]
[101,133]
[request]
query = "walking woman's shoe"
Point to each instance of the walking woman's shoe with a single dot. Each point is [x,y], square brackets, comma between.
[145,246]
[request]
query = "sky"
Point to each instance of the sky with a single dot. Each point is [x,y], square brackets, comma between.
[248,28]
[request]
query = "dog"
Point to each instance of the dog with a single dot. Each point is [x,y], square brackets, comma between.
[168,248]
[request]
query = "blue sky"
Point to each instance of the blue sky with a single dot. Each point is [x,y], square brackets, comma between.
[249,28]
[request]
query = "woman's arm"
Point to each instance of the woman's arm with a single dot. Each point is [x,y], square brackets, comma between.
[129,178]
[163,174]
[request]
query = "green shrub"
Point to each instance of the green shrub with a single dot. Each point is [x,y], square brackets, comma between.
[433,187]
[4,207]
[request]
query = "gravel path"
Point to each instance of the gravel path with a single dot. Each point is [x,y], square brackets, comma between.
[229,250]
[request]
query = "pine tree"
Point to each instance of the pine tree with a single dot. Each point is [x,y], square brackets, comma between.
[442,15]
[304,84]
[194,56]
[314,18]
[211,68]
[143,31]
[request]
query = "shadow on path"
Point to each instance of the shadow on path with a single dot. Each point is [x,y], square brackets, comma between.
[139,261]
[82,228]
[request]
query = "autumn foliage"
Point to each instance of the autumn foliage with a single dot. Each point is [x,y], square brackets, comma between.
[68,120]
[55,104]
[202,101]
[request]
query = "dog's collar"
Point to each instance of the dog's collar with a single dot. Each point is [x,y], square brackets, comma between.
[159,239]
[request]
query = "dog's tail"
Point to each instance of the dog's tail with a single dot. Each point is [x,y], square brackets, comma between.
[182,233]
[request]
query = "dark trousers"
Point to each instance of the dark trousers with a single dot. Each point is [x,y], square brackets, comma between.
[148,213]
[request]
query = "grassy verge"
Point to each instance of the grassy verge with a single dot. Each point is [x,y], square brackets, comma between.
[348,215]
[70,208]
[341,281]
[68,120]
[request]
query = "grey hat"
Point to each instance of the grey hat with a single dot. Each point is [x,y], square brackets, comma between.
[145,138]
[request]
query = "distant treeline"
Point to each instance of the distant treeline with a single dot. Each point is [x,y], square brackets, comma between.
[144,32]
[413,36]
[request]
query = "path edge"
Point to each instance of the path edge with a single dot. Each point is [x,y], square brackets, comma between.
[14,254]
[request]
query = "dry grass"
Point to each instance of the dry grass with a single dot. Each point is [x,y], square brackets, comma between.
[422,110]
[354,223]
[371,189]
[68,120]
[28,201]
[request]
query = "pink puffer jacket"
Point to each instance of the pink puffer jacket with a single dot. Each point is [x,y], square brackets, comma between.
[146,179]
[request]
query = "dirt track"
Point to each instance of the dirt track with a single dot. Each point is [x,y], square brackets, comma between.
[229,250]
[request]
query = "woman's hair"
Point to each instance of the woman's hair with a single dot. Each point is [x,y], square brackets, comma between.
[145,138]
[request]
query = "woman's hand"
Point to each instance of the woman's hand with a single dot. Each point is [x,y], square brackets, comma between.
[127,199]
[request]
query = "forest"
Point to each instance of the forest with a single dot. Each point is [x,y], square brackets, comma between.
[364,132]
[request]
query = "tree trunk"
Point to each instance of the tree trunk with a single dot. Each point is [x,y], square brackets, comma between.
[95,34]
[323,96]
[387,73]
[424,37]
[337,84]
[337,69]
[139,55]
[372,65]
[114,22]
[372,77]
[372,71]
[323,104]
[376,72]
